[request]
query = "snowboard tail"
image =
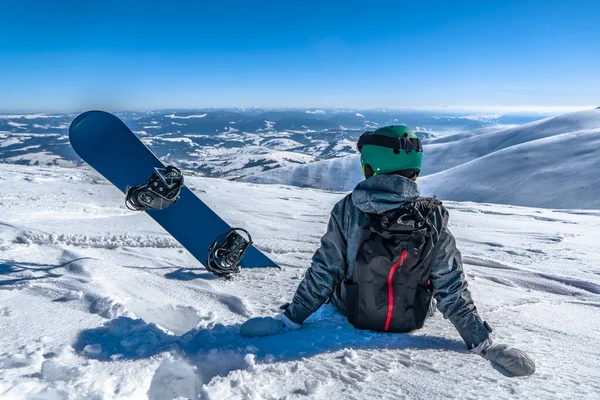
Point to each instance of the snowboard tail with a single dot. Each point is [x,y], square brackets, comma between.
[104,142]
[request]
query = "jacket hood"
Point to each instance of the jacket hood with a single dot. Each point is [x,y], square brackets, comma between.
[382,193]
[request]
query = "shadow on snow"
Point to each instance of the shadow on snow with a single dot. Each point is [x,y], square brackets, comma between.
[46,270]
[220,349]
[187,274]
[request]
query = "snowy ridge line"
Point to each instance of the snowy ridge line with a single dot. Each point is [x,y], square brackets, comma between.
[98,241]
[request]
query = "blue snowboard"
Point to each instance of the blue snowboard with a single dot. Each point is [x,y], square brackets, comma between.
[111,148]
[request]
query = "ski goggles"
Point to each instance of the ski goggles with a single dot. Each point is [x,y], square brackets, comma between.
[402,143]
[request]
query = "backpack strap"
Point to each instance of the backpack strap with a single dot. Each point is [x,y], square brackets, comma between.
[430,204]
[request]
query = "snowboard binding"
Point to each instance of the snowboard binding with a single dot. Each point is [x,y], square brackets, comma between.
[227,251]
[158,192]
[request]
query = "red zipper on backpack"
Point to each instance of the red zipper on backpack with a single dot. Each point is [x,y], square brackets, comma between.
[391,289]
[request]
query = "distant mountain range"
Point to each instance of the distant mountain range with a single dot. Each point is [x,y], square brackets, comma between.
[234,143]
[551,163]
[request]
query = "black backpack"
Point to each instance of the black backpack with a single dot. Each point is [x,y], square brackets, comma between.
[390,289]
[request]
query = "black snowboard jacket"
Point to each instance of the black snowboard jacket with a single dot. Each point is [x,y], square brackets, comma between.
[333,262]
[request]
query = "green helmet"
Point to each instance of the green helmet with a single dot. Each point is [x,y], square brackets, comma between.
[390,149]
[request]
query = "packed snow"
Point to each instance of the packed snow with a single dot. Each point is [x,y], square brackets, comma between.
[97,302]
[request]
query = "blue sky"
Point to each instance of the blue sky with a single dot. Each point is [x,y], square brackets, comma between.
[73,55]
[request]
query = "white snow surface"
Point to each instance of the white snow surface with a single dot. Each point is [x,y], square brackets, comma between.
[16,124]
[548,163]
[281,144]
[338,174]
[559,171]
[9,142]
[41,158]
[173,116]
[28,116]
[97,302]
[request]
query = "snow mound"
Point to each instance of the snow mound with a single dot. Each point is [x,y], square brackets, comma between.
[100,241]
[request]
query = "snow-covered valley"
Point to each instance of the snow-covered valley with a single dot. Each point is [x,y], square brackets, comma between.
[97,302]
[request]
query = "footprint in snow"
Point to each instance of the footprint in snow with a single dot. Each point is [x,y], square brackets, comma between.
[174,379]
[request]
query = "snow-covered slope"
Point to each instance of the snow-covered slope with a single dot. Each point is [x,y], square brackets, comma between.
[97,302]
[560,171]
[338,174]
[548,163]
[450,151]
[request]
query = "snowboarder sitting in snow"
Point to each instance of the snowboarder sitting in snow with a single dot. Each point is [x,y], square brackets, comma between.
[386,254]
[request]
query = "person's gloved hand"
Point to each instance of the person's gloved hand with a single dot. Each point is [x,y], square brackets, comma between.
[265,326]
[513,361]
